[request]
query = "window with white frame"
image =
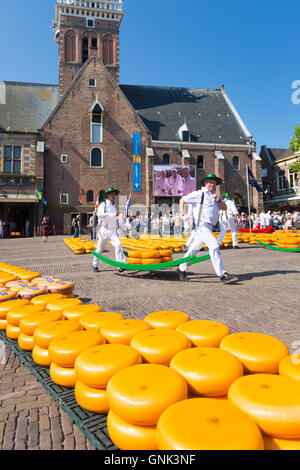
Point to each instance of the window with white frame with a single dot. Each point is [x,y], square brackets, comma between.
[235,163]
[64,158]
[96,123]
[90,23]
[281,181]
[65,198]
[12,159]
[96,157]
[293,179]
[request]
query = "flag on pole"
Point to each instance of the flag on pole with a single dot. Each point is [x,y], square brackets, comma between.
[60,199]
[40,196]
[128,203]
[252,181]
[80,198]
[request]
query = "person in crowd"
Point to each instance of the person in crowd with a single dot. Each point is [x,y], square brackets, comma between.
[76,226]
[27,227]
[45,228]
[188,183]
[162,186]
[244,220]
[288,225]
[227,219]
[175,182]
[2,225]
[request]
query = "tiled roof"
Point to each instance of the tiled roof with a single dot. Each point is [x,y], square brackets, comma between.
[278,154]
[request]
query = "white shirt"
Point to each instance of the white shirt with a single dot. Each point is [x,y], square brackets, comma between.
[231,209]
[162,186]
[176,185]
[188,185]
[107,215]
[210,209]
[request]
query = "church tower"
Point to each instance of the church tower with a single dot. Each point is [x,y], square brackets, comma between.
[83,29]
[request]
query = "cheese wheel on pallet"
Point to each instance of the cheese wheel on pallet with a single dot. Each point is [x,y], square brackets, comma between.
[78,311]
[63,287]
[204,332]
[91,399]
[139,394]
[159,345]
[45,333]
[207,371]
[6,277]
[12,331]
[64,349]
[30,292]
[29,275]
[134,254]
[128,436]
[122,331]
[11,304]
[63,304]
[167,253]
[25,342]
[7,295]
[290,366]
[166,259]
[134,261]
[97,365]
[30,322]
[272,401]
[3,324]
[273,443]
[150,254]
[63,376]
[46,299]
[207,424]
[258,352]
[15,315]
[166,318]
[97,320]
[151,261]
[41,356]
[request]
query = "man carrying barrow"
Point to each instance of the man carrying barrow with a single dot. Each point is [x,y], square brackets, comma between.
[108,219]
[208,205]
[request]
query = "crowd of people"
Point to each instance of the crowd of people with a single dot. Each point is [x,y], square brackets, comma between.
[9,227]
[284,220]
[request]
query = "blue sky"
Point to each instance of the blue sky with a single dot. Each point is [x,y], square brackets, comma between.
[250,46]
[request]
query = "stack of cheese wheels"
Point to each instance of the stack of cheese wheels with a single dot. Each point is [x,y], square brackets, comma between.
[97,320]
[122,331]
[15,315]
[137,396]
[135,257]
[5,307]
[7,277]
[30,292]
[166,318]
[290,366]
[16,286]
[63,351]
[204,332]
[30,322]
[62,287]
[95,367]
[45,281]
[46,299]
[62,304]
[259,353]
[45,333]
[207,424]
[208,371]
[150,257]
[78,311]
[159,345]
[27,275]
[166,255]
[272,401]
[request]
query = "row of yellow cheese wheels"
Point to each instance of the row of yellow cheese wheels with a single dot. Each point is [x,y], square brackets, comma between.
[268,353]
[150,256]
[153,244]
[80,245]
[282,240]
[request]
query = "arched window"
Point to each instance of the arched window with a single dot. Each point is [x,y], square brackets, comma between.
[200,162]
[96,157]
[85,49]
[94,43]
[108,50]
[90,196]
[166,159]
[235,163]
[70,47]
[96,123]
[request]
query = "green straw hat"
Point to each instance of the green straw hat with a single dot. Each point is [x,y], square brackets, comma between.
[112,190]
[213,177]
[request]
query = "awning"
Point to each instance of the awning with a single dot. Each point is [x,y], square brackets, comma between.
[219,155]
[149,152]
[256,156]
[18,198]
[185,153]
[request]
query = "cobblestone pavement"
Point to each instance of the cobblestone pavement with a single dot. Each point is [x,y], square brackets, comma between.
[266,299]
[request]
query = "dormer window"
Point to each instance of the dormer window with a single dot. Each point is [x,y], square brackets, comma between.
[185,136]
[184,133]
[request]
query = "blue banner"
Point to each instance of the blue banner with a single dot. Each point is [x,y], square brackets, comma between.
[137,163]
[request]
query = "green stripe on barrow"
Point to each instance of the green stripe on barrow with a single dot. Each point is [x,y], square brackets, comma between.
[277,248]
[151,267]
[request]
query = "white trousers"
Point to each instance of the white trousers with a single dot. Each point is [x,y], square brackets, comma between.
[224,224]
[204,235]
[103,237]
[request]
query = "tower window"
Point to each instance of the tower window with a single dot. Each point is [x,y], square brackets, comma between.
[90,196]
[90,23]
[85,49]
[108,48]
[200,162]
[96,157]
[235,163]
[92,82]
[166,159]
[94,43]
[96,124]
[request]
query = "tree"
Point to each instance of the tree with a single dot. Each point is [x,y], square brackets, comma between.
[295,167]
[295,142]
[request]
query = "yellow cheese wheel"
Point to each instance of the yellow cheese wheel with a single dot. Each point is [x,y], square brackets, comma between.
[273,401]
[151,261]
[7,295]
[63,287]
[97,320]
[31,321]
[166,318]
[45,333]
[30,292]
[290,366]
[122,331]
[28,275]
[128,436]
[15,315]
[139,394]
[12,331]
[41,356]
[207,424]
[134,254]
[6,277]
[63,304]
[64,349]
[258,352]
[204,332]
[3,324]
[25,342]
[45,281]
[96,366]
[150,254]
[63,376]
[91,399]
[11,304]
[46,299]
[166,259]
[134,261]
[207,371]
[273,443]
[5,289]
[78,311]
[166,253]
[18,284]
[159,345]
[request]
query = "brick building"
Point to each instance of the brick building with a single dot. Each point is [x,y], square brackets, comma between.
[88,120]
